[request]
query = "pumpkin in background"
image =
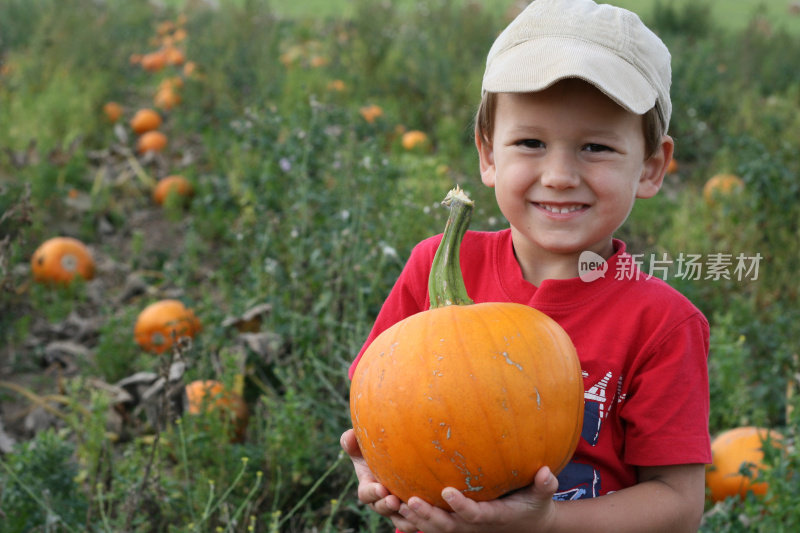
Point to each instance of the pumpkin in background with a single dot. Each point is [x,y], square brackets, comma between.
[160,323]
[204,396]
[179,35]
[189,68]
[672,166]
[175,184]
[733,450]
[173,82]
[474,396]
[370,113]
[174,56]
[154,61]
[145,120]
[722,185]
[151,141]
[166,98]
[60,259]
[112,111]
[414,138]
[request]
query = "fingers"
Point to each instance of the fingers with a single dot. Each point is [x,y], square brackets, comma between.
[370,491]
[350,444]
[530,505]
[421,514]
[545,484]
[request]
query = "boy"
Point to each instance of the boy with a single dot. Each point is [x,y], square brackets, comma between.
[571,130]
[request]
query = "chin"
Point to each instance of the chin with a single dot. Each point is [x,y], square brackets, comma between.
[561,248]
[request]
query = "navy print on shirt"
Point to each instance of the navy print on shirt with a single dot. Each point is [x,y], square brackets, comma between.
[578,480]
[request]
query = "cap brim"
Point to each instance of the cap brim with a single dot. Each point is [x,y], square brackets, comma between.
[537,64]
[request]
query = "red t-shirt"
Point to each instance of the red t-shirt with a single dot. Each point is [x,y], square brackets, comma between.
[643,349]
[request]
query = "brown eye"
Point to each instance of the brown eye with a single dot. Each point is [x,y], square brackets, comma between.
[593,147]
[531,143]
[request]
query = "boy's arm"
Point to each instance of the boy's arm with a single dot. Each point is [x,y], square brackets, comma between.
[667,498]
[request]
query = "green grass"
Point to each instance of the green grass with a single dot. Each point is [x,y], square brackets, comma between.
[730,14]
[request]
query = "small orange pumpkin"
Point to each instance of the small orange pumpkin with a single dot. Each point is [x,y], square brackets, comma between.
[174,82]
[179,35]
[672,166]
[371,112]
[154,61]
[175,184]
[722,185]
[414,138]
[145,120]
[174,55]
[166,98]
[165,27]
[151,141]
[113,111]
[60,259]
[474,396]
[733,450]
[210,395]
[160,323]
[189,68]
[337,85]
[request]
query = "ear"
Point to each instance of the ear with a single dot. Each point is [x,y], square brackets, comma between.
[655,168]
[486,158]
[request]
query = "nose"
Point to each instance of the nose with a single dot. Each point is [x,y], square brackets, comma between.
[560,170]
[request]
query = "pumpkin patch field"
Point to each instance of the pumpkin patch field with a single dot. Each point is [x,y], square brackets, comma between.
[204,204]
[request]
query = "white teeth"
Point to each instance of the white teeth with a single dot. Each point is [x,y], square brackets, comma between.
[561,210]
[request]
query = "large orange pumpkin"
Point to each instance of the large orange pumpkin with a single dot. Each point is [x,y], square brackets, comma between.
[473,396]
[209,395]
[60,259]
[732,451]
[161,322]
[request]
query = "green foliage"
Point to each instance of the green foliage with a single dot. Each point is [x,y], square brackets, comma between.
[690,19]
[37,486]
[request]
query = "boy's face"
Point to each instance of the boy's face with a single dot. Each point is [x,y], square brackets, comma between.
[567,164]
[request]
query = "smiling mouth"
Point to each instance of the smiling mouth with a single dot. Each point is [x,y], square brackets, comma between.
[561,209]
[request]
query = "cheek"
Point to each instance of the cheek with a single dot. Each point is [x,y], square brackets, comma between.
[516,176]
[617,184]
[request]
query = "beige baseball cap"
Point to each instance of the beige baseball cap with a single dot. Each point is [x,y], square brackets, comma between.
[604,45]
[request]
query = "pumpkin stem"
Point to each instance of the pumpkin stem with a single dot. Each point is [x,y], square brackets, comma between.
[446,284]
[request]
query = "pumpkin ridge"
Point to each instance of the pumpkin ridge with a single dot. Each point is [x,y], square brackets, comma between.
[553,334]
[485,410]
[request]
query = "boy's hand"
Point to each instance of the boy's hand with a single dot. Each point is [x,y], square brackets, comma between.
[370,492]
[529,509]
[530,505]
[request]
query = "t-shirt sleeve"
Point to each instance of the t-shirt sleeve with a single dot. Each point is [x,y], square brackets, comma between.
[667,406]
[408,296]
